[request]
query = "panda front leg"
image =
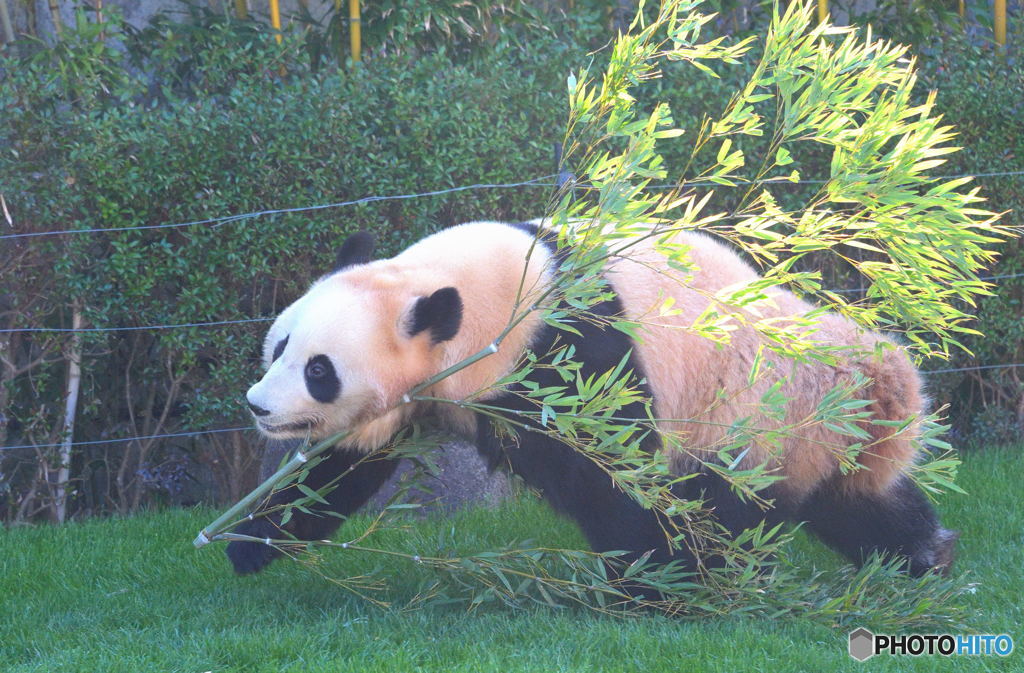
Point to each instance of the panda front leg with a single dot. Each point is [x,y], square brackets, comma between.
[576,487]
[898,520]
[359,482]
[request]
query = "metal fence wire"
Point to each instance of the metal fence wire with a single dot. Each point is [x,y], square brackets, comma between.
[543,181]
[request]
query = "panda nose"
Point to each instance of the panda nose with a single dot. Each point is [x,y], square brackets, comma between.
[258,411]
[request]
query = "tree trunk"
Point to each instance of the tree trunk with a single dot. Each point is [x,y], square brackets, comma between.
[5,20]
[7,374]
[99,19]
[70,407]
[622,13]
[30,19]
[58,25]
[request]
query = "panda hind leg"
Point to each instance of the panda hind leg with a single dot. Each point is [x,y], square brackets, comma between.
[360,481]
[733,514]
[898,521]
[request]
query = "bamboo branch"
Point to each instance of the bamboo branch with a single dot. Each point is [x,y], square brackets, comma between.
[215,530]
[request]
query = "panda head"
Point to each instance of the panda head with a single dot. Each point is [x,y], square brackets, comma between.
[346,352]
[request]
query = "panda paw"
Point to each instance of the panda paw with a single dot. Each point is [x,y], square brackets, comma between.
[251,557]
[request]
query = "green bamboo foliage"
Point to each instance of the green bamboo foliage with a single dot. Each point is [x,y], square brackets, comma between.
[919,243]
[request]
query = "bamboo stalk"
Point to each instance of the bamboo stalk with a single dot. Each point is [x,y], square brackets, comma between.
[5,19]
[241,9]
[1000,22]
[822,11]
[70,407]
[355,30]
[215,530]
[275,18]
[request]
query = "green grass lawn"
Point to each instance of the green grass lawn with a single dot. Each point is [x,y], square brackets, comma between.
[133,595]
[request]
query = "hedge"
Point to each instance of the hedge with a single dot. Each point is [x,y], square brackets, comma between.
[217,120]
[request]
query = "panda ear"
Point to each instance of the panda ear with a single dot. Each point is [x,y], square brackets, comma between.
[441,313]
[357,249]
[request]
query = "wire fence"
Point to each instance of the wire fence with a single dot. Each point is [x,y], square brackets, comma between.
[134,328]
[120,440]
[536,182]
[543,181]
[217,221]
[249,427]
[243,321]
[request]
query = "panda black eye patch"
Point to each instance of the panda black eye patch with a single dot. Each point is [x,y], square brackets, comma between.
[279,348]
[321,379]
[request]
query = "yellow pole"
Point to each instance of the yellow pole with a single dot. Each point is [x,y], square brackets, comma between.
[355,30]
[822,11]
[1000,22]
[963,8]
[241,9]
[275,18]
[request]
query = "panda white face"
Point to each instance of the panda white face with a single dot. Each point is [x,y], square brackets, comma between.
[346,352]
[316,381]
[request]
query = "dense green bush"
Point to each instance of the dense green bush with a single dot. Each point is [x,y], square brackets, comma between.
[108,153]
[981,92]
[212,118]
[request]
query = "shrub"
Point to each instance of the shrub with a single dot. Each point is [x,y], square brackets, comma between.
[108,153]
[982,94]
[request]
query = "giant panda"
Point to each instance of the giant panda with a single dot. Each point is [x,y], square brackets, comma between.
[344,355]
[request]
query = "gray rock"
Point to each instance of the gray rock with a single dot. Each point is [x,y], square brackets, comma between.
[462,479]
